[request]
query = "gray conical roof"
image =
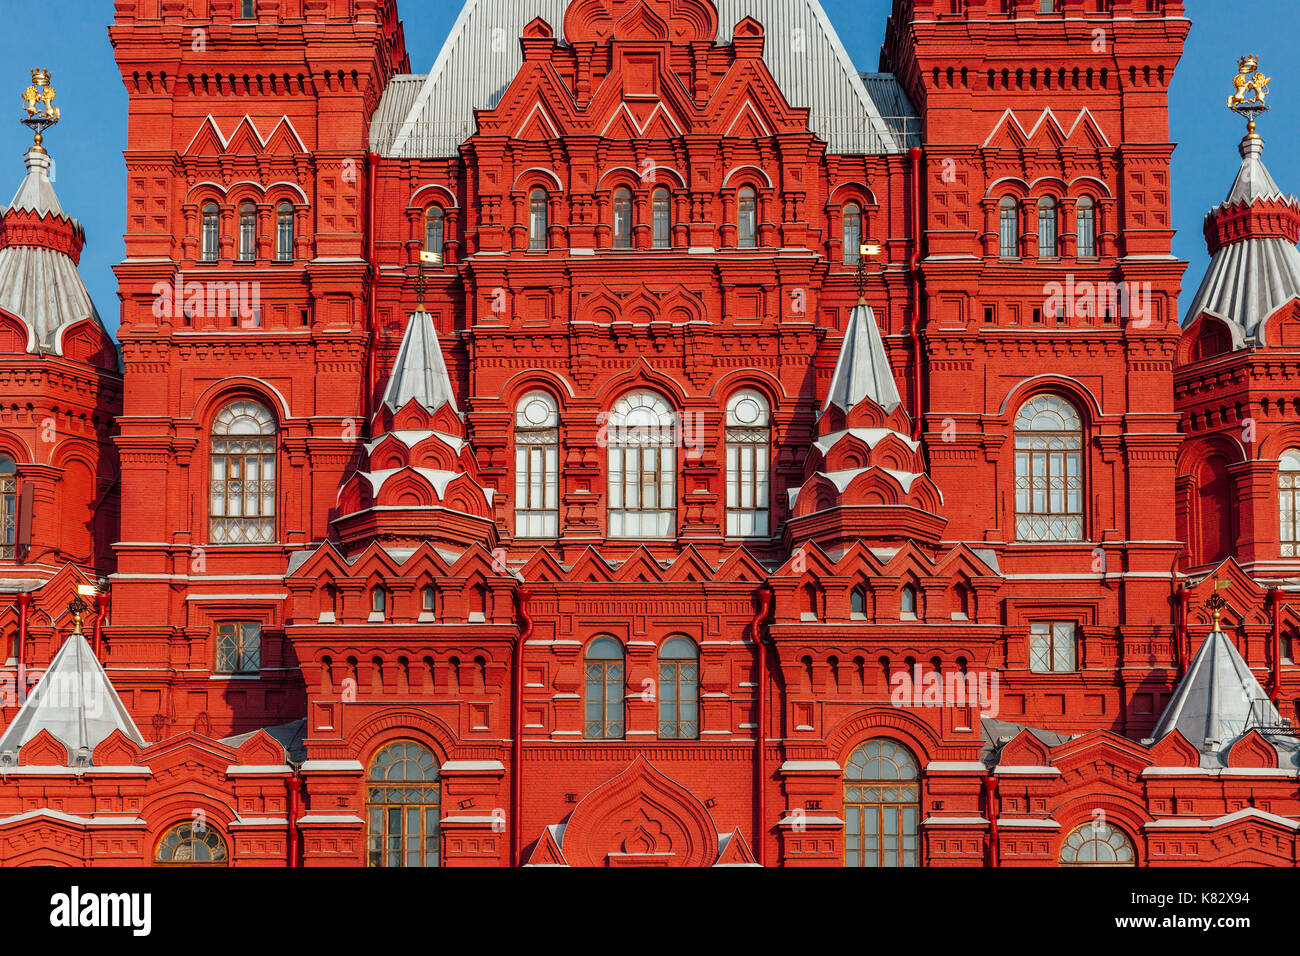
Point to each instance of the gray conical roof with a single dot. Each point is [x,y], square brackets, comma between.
[862,370]
[75,701]
[420,371]
[1218,699]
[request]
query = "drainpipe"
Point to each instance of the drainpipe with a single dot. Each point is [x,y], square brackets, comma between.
[372,163]
[294,785]
[517,728]
[991,808]
[1181,597]
[913,263]
[101,611]
[760,638]
[24,602]
[1275,647]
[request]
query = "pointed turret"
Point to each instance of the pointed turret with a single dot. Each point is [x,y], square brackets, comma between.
[420,372]
[862,370]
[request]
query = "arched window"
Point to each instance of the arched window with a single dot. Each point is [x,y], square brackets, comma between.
[243,475]
[679,689]
[1288,493]
[428,603]
[1086,228]
[211,232]
[622,219]
[604,690]
[284,232]
[8,507]
[191,844]
[907,603]
[1009,228]
[434,223]
[378,602]
[537,466]
[852,234]
[1047,228]
[662,214]
[403,806]
[247,232]
[538,220]
[858,602]
[1049,471]
[747,219]
[881,806]
[641,435]
[1097,844]
[748,441]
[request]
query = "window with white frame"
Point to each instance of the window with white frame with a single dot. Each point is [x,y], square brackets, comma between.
[537,466]
[1086,228]
[662,214]
[748,444]
[211,232]
[852,234]
[1047,228]
[247,232]
[284,232]
[1049,471]
[747,219]
[435,221]
[538,220]
[641,436]
[1288,501]
[622,219]
[1008,228]
[1052,647]
[242,509]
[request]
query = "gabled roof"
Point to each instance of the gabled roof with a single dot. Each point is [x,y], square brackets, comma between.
[75,701]
[420,371]
[473,71]
[1218,699]
[862,370]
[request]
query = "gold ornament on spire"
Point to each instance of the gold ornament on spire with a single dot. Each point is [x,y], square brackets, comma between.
[1251,91]
[38,101]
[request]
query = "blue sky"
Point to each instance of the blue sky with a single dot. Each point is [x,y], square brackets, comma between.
[70,37]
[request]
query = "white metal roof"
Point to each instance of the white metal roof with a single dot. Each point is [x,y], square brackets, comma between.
[862,370]
[420,371]
[482,54]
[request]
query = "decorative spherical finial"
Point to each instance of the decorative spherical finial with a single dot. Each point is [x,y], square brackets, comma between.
[1251,91]
[38,102]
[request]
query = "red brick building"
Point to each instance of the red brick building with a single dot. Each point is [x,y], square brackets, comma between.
[766,462]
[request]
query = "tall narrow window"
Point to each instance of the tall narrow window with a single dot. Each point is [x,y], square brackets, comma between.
[378,603]
[1051,647]
[662,214]
[881,806]
[538,220]
[428,603]
[1288,489]
[434,222]
[852,234]
[1097,843]
[747,220]
[679,689]
[243,475]
[748,488]
[604,690]
[247,9]
[8,507]
[403,806]
[247,232]
[1047,228]
[537,467]
[622,219]
[284,232]
[641,436]
[907,603]
[1008,228]
[191,844]
[1049,471]
[1086,228]
[211,232]
[239,647]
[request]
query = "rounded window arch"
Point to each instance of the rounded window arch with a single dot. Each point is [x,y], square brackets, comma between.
[907,603]
[1049,470]
[858,602]
[243,484]
[604,676]
[537,466]
[191,844]
[284,232]
[211,232]
[1097,843]
[1288,487]
[1047,230]
[8,507]
[247,232]
[747,218]
[881,805]
[661,214]
[852,233]
[622,218]
[641,436]
[403,806]
[1085,213]
[435,222]
[749,440]
[538,220]
[1009,228]
[679,689]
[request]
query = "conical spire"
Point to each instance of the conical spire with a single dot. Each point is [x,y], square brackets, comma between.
[1253,180]
[75,701]
[420,371]
[862,370]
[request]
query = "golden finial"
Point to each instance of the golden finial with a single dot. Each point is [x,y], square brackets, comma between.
[38,101]
[1251,91]
[77,607]
[1216,604]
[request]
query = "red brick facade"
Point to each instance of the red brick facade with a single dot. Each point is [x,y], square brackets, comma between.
[643,222]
